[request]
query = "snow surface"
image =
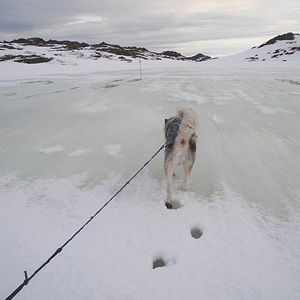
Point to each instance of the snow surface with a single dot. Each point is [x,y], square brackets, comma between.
[71,136]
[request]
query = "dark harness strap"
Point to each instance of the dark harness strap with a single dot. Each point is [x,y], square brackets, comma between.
[172,131]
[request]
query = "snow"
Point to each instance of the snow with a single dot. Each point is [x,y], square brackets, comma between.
[71,136]
[282,53]
[52,149]
[113,150]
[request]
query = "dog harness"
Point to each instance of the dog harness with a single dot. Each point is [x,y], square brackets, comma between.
[172,131]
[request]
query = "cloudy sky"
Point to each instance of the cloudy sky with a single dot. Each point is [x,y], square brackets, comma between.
[211,27]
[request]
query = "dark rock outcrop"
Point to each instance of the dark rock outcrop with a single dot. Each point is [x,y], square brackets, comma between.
[283,37]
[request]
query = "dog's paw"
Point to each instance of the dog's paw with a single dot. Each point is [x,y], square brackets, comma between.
[169,205]
[186,187]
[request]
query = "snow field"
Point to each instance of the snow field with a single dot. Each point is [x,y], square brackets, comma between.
[69,142]
[240,254]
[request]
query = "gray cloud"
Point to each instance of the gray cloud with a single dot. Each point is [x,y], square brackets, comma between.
[186,26]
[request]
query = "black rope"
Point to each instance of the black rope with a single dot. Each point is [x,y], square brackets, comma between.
[27,279]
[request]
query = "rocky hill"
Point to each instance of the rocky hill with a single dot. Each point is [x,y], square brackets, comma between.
[281,48]
[37,50]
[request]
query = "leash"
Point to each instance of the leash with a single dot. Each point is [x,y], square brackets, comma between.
[27,279]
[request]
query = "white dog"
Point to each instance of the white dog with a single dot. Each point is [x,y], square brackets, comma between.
[181,146]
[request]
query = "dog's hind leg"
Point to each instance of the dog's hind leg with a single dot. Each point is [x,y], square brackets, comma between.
[187,171]
[189,162]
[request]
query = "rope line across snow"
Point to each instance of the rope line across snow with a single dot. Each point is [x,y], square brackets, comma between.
[27,279]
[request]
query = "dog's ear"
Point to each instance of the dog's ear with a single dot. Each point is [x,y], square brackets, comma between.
[166,120]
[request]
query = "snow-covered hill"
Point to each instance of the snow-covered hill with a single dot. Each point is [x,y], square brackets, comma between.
[36,50]
[281,49]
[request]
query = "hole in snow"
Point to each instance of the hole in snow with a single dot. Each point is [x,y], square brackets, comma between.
[158,263]
[176,204]
[196,233]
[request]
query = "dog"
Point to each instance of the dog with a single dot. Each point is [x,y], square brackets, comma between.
[180,147]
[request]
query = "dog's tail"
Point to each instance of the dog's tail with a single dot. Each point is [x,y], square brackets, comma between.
[189,120]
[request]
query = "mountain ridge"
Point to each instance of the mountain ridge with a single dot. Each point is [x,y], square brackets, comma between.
[97,50]
[37,50]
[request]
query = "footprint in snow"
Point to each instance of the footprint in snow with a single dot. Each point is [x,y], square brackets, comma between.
[161,262]
[158,263]
[175,205]
[196,233]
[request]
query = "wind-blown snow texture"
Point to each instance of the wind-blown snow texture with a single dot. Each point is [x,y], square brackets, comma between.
[70,141]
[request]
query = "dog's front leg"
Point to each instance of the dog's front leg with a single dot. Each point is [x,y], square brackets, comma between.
[169,171]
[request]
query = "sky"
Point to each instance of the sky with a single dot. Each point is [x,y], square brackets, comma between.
[211,27]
